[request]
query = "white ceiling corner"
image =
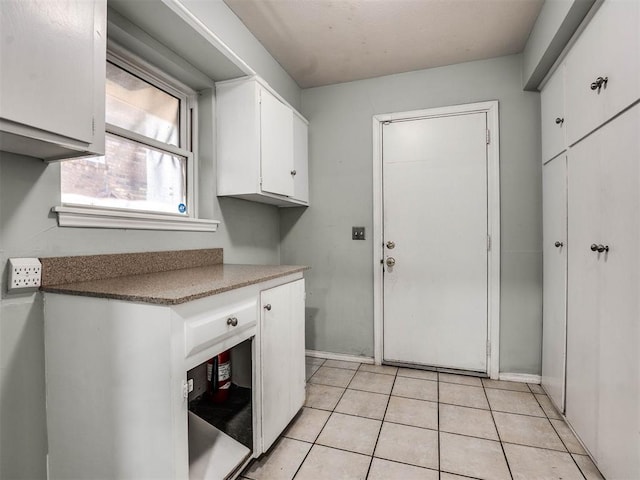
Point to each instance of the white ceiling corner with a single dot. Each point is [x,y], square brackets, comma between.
[322,42]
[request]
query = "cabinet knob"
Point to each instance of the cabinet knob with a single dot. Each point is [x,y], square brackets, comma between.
[603,248]
[293,172]
[594,247]
[233,321]
[559,244]
[559,121]
[267,307]
[599,83]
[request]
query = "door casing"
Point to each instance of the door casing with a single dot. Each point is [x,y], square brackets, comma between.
[493,220]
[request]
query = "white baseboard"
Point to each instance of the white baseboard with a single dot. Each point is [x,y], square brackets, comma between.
[339,356]
[520,377]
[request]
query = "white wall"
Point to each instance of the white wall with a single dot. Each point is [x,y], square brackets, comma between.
[340,283]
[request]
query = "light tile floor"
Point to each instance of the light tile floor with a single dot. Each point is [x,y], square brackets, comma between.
[386,423]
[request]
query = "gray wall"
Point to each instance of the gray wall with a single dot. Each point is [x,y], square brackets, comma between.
[249,233]
[556,23]
[340,283]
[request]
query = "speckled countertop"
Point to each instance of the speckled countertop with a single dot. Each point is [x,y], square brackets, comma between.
[176,286]
[156,283]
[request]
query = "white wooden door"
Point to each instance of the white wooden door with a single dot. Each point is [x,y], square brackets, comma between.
[554,215]
[435,213]
[552,115]
[609,48]
[618,428]
[282,358]
[300,159]
[583,305]
[276,145]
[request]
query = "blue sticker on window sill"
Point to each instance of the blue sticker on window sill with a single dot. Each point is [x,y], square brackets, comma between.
[182,208]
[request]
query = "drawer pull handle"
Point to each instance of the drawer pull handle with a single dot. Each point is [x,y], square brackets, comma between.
[267,307]
[559,121]
[233,321]
[600,83]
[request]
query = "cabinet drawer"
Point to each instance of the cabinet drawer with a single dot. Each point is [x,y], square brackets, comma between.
[609,48]
[552,115]
[211,327]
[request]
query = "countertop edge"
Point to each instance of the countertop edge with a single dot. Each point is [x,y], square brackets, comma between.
[168,301]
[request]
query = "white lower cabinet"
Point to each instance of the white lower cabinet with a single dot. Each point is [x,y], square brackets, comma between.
[554,330]
[283,373]
[603,331]
[118,376]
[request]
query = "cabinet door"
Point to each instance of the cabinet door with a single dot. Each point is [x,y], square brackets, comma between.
[300,159]
[552,115]
[609,47]
[583,322]
[618,453]
[282,358]
[276,145]
[554,214]
[47,52]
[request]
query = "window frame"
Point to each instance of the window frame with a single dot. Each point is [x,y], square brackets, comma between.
[82,215]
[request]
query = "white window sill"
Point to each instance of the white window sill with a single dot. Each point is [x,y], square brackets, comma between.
[80,217]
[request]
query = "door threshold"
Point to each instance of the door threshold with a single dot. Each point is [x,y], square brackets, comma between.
[455,371]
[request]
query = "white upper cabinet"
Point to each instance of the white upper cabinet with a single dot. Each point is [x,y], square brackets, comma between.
[262,145]
[53,67]
[552,116]
[603,68]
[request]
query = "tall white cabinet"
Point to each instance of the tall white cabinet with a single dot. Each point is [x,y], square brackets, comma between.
[261,145]
[596,90]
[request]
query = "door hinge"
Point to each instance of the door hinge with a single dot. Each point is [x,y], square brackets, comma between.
[488,243]
[187,387]
[261,181]
[93,126]
[488,348]
[488,136]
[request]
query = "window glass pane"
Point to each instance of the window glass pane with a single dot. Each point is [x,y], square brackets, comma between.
[138,106]
[130,175]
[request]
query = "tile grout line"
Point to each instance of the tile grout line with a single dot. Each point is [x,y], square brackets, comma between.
[563,442]
[323,426]
[438,425]
[381,424]
[498,433]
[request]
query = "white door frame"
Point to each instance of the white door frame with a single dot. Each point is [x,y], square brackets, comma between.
[493,222]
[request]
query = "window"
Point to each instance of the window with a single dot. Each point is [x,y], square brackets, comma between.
[148,166]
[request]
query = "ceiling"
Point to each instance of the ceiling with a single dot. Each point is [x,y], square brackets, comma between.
[321,42]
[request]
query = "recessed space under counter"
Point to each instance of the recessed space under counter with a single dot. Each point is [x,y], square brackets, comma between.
[129,393]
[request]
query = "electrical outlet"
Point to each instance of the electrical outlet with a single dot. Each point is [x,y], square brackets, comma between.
[24,273]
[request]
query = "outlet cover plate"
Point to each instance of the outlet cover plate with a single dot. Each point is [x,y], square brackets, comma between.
[24,273]
[357,233]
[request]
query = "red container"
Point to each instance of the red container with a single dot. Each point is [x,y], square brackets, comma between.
[219,377]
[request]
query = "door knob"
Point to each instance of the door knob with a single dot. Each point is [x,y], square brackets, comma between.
[603,248]
[391,261]
[233,321]
[267,307]
[391,245]
[559,244]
